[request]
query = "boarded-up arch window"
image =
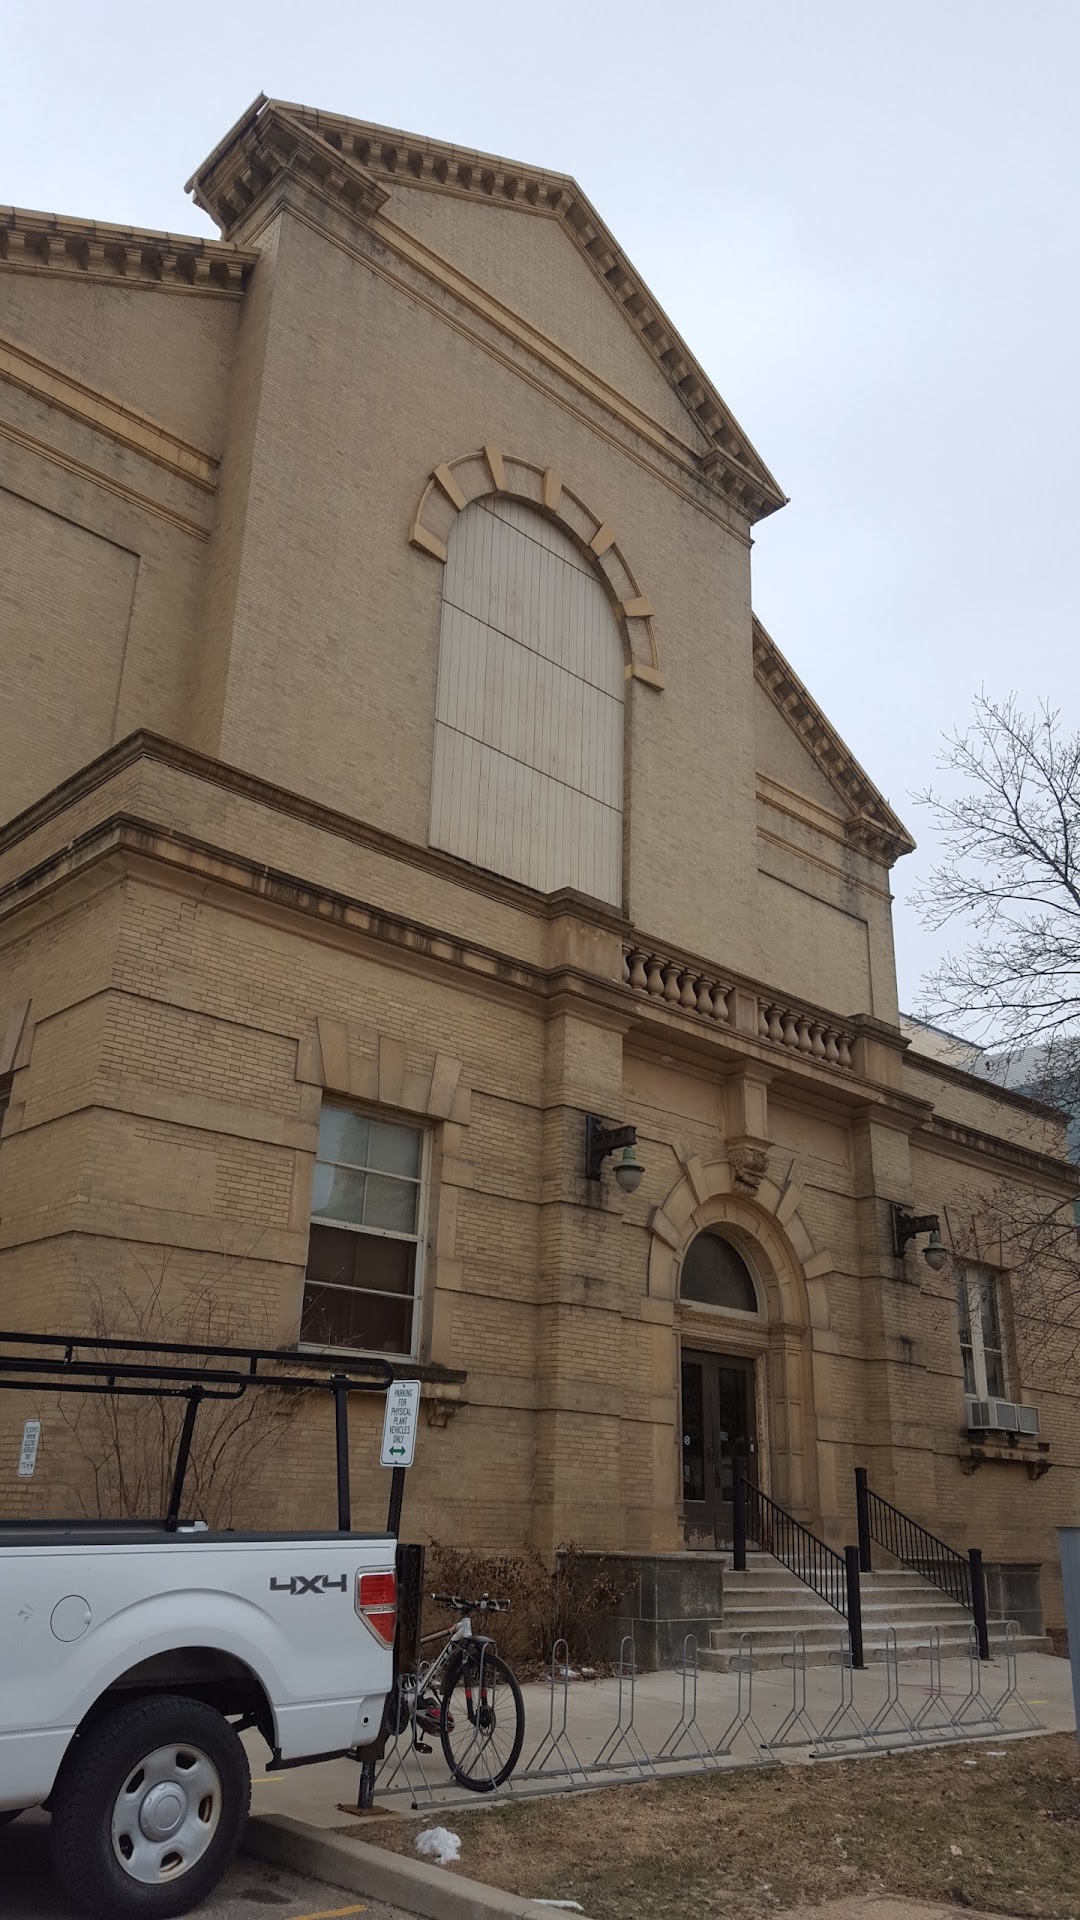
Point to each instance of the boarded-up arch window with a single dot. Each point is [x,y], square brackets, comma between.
[528,772]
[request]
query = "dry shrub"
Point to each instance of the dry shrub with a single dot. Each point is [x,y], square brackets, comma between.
[121,1449]
[566,1602]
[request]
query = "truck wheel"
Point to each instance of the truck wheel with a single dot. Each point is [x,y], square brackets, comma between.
[149,1808]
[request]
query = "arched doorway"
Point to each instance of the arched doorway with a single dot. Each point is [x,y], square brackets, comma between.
[722,1307]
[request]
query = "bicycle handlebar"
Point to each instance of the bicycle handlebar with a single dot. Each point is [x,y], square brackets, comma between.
[484,1605]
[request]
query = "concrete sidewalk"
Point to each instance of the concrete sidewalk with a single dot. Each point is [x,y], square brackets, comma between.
[314,1794]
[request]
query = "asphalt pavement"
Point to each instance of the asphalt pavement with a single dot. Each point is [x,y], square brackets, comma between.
[251,1891]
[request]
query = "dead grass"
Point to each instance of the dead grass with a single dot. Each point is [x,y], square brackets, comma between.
[1002,1835]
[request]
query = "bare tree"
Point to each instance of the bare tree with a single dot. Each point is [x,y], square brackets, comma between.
[1011,834]
[120,1450]
[1010,827]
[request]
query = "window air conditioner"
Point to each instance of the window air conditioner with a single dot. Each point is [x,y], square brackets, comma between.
[1001,1416]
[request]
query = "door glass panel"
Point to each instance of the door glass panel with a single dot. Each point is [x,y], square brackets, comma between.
[693,1431]
[733,1427]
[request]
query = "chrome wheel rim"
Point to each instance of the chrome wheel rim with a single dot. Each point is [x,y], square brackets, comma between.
[166,1814]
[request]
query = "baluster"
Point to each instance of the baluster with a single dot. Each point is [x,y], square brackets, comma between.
[626,966]
[789,1031]
[802,1029]
[671,983]
[705,997]
[638,979]
[687,992]
[817,1043]
[843,1046]
[654,983]
[831,1053]
[721,997]
[762,1020]
[776,1029]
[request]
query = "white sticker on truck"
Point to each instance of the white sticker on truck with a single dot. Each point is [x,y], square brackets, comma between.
[31,1437]
[399,1424]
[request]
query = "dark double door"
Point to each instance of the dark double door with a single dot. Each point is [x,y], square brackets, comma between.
[718,1433]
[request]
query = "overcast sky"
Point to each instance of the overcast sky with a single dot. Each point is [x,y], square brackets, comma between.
[861,214]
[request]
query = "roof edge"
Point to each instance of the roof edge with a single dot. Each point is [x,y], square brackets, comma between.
[358,162]
[100,249]
[872,825]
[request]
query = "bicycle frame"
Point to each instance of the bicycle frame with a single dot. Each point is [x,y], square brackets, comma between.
[459,1633]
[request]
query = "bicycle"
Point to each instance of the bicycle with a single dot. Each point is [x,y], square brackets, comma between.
[479,1715]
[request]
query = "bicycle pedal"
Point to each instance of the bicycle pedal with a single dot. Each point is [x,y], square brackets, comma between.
[421,1746]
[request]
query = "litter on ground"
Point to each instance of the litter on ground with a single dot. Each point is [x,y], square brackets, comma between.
[440,1845]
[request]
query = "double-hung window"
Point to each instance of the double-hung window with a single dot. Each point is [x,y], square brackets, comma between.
[981,1346]
[362,1285]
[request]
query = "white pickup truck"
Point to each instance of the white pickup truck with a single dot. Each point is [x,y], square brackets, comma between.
[132,1656]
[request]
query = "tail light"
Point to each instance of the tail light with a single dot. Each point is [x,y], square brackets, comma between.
[376,1602]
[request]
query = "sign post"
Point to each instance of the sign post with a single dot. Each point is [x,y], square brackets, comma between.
[1069,1548]
[399,1442]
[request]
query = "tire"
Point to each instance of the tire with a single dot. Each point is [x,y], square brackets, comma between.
[149,1809]
[482,1724]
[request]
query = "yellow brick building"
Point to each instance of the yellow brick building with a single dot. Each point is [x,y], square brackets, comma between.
[394,776]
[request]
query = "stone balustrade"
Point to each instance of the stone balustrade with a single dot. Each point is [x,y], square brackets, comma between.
[678,984]
[804,1033]
[685,986]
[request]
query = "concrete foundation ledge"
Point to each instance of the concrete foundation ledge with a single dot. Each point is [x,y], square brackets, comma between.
[435,1893]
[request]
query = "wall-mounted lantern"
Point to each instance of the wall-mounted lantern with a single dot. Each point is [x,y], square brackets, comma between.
[600,1141]
[907,1226]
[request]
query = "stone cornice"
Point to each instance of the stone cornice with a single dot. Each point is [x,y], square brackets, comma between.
[358,164]
[273,139]
[871,825]
[973,1144]
[154,847]
[132,257]
[976,1083]
[155,748]
[122,841]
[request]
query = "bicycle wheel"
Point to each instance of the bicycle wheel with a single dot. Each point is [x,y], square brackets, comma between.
[483,1719]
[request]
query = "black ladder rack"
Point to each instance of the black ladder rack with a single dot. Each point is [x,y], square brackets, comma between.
[87,1363]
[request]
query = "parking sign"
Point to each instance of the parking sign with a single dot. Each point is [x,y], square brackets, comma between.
[399,1424]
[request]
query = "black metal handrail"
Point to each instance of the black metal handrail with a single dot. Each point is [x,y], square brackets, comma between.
[959,1576]
[833,1576]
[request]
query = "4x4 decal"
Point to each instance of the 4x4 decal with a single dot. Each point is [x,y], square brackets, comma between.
[318,1583]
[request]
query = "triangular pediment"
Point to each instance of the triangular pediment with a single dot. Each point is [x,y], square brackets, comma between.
[360,164]
[870,823]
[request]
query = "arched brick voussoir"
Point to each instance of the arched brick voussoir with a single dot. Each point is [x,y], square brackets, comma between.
[797,1268]
[456,484]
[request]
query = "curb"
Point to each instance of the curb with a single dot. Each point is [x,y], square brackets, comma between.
[359,1867]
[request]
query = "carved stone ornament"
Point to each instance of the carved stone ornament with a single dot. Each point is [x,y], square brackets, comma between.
[439,1411]
[749,1165]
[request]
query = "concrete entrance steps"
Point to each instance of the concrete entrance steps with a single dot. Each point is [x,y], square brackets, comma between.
[772,1604]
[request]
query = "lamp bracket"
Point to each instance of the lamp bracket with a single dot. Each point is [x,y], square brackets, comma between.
[907,1225]
[601,1140]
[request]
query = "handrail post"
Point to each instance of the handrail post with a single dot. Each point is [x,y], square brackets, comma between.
[978,1601]
[854,1605]
[862,1510]
[738,1518]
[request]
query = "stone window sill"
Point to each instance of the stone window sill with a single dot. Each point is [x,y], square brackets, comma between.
[1021,1452]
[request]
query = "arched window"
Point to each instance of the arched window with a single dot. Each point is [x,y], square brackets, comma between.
[528,768]
[714,1275]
